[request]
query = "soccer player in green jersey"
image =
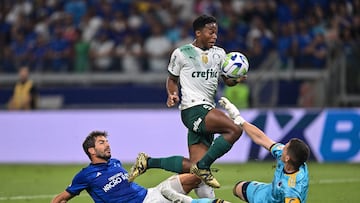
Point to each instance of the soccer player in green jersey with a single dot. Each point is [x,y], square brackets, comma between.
[195,69]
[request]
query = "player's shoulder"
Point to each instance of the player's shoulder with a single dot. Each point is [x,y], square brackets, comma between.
[185,47]
[303,172]
[114,161]
[218,49]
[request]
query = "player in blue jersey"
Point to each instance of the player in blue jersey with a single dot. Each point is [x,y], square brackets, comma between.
[106,180]
[291,178]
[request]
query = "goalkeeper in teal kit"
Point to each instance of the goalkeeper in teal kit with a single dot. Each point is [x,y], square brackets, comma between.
[291,178]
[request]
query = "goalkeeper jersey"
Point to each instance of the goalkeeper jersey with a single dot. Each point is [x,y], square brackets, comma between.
[198,71]
[285,188]
[289,186]
[107,182]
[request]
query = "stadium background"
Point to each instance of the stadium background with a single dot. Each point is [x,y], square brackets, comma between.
[291,45]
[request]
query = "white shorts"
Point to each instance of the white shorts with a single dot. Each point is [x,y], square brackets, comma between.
[154,195]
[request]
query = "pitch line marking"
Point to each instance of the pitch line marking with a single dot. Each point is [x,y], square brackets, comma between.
[225,187]
[23,197]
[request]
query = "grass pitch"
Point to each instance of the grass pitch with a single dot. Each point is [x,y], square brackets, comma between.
[20,183]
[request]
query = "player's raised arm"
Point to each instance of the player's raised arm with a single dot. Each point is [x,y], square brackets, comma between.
[257,135]
[172,91]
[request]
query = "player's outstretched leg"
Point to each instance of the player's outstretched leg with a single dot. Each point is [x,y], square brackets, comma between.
[229,107]
[205,175]
[139,167]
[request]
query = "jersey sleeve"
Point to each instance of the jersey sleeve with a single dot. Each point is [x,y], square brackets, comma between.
[78,184]
[175,63]
[223,57]
[276,150]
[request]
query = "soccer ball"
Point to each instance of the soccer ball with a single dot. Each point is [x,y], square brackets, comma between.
[235,65]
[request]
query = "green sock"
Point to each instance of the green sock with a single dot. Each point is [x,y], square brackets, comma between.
[216,150]
[172,163]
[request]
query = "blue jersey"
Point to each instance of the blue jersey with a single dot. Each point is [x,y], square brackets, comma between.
[285,188]
[107,182]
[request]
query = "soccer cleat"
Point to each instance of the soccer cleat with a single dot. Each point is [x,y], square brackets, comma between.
[139,167]
[205,175]
[229,107]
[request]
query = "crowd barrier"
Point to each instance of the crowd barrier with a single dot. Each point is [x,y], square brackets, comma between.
[56,136]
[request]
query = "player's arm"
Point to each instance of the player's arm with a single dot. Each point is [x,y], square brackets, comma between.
[62,197]
[233,81]
[257,135]
[172,90]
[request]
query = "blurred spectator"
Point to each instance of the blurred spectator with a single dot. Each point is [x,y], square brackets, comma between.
[39,54]
[76,8]
[306,97]
[118,27]
[59,51]
[260,42]
[185,37]
[130,54]
[19,50]
[6,61]
[101,51]
[208,7]
[239,95]
[234,42]
[69,32]
[157,48]
[24,94]
[304,39]
[286,44]
[185,9]
[318,50]
[90,25]
[81,51]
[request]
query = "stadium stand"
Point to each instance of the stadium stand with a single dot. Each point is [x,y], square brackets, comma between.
[78,45]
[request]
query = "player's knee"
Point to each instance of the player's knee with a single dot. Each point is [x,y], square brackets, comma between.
[239,131]
[236,132]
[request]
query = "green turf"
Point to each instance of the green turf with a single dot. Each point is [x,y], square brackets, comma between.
[39,183]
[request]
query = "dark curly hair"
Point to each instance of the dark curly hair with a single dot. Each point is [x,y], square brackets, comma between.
[89,141]
[200,22]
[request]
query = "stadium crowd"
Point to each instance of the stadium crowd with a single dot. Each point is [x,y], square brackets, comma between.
[138,35]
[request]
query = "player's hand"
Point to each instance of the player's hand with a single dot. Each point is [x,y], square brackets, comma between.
[241,79]
[172,99]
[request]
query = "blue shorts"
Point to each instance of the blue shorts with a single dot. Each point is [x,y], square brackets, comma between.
[258,192]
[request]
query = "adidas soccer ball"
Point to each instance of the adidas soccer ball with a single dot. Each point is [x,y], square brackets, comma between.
[235,65]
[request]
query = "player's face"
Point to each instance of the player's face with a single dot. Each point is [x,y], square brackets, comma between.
[208,35]
[285,157]
[102,148]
